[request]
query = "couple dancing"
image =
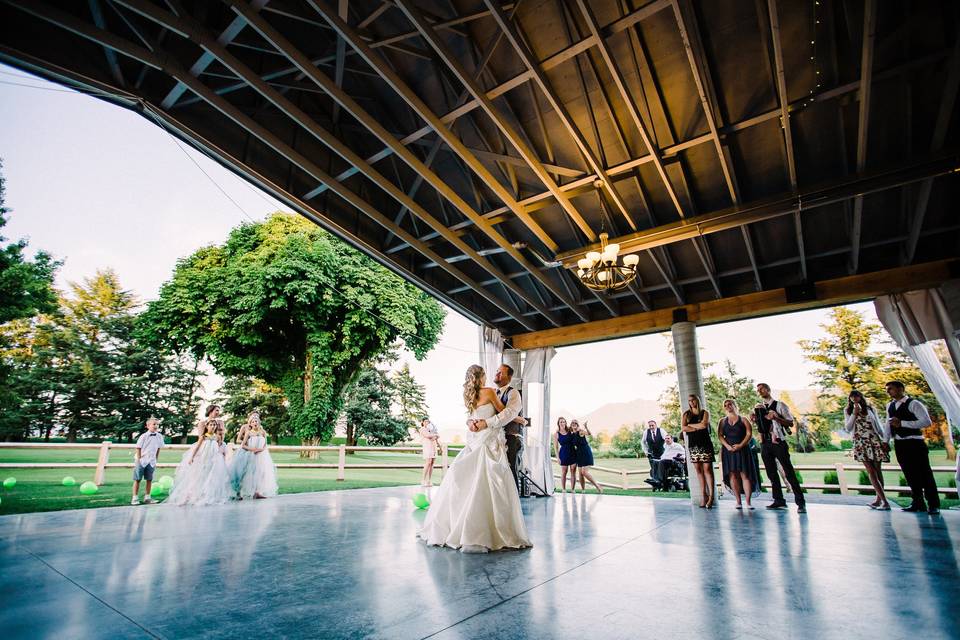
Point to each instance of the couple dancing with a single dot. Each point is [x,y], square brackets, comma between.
[477,507]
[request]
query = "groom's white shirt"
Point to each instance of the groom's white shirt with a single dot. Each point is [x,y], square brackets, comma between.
[510,411]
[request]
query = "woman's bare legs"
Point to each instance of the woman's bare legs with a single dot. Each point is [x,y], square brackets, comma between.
[747,487]
[573,478]
[585,473]
[874,470]
[711,482]
[735,485]
[703,483]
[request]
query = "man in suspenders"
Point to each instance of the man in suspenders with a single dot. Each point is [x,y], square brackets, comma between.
[907,418]
[773,420]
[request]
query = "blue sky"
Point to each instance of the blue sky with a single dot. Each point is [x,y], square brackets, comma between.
[99,186]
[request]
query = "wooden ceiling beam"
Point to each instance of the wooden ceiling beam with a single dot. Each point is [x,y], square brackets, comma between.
[827,293]
[863,123]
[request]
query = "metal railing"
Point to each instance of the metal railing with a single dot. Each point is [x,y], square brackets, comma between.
[103,461]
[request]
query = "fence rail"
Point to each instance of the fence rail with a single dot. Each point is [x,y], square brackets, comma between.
[843,487]
[103,461]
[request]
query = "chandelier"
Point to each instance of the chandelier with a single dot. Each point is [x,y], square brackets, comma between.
[604,271]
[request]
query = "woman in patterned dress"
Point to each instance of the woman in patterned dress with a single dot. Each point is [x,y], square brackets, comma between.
[870,443]
[696,424]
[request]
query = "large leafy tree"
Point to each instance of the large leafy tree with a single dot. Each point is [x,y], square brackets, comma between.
[285,302]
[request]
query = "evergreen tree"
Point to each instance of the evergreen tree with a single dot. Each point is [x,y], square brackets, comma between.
[409,394]
[367,410]
[240,396]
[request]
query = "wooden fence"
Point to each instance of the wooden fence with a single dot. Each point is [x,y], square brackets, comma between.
[843,487]
[103,461]
[602,473]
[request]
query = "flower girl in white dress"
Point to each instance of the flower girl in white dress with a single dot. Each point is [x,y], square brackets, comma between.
[477,508]
[252,470]
[201,477]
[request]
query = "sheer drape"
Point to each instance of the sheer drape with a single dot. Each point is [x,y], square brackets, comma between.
[490,350]
[913,319]
[536,400]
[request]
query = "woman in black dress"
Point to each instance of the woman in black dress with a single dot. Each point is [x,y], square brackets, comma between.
[695,422]
[584,455]
[738,466]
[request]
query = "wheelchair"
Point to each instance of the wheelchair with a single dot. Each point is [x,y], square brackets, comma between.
[675,479]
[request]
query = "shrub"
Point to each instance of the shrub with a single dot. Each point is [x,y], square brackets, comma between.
[800,480]
[830,477]
[903,483]
[846,445]
[952,482]
[864,478]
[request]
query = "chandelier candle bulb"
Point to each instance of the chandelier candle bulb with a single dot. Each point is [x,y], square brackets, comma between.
[631,260]
[584,263]
[593,257]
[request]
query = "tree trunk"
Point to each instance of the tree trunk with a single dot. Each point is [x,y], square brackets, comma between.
[72,432]
[948,439]
[307,394]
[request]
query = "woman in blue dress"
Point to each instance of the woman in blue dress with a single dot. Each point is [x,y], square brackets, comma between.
[584,455]
[565,444]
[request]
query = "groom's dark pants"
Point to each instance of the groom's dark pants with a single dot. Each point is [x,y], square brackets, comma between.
[513,448]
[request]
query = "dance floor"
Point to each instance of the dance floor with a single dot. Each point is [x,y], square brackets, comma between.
[345,564]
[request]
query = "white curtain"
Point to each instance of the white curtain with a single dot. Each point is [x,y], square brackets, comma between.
[536,401]
[490,351]
[913,319]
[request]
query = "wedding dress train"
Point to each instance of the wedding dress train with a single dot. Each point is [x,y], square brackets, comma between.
[476,508]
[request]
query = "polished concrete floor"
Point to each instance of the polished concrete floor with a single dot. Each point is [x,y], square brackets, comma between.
[346,565]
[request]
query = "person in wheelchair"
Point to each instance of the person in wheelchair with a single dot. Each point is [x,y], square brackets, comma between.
[670,470]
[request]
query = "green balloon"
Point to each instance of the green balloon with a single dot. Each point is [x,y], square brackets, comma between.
[157,490]
[420,501]
[9,482]
[68,481]
[89,488]
[166,482]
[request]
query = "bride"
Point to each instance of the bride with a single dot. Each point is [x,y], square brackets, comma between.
[476,508]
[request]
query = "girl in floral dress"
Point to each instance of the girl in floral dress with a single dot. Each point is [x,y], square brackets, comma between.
[870,443]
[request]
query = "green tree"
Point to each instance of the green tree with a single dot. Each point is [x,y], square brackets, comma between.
[239,396]
[729,383]
[26,289]
[367,407]
[409,395]
[285,302]
[628,440]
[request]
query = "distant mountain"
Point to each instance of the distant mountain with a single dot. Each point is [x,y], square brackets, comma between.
[611,416]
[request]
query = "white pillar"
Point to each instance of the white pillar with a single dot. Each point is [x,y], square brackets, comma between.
[689,381]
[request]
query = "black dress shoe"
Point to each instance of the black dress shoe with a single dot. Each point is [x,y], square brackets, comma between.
[802,508]
[934,512]
[914,509]
[777,505]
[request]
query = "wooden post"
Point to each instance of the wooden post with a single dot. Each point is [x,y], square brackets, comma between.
[340,464]
[102,463]
[623,479]
[443,458]
[842,479]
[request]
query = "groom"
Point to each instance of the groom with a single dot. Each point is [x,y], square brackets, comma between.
[509,418]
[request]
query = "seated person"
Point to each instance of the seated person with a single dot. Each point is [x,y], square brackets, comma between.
[673,456]
[653,442]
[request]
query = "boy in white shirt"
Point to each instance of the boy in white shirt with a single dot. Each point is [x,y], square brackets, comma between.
[145,460]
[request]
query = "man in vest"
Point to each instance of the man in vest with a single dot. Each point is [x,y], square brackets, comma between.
[510,418]
[773,420]
[907,418]
[653,442]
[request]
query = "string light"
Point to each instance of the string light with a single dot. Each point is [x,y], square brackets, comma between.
[813,57]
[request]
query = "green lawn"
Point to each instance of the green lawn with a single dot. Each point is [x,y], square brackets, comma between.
[41,489]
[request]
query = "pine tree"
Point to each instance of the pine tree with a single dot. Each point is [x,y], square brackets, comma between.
[239,396]
[366,410]
[409,397]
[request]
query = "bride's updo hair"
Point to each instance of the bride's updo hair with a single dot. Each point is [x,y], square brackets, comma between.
[472,383]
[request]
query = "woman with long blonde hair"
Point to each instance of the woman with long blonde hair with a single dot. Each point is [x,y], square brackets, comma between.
[695,422]
[477,508]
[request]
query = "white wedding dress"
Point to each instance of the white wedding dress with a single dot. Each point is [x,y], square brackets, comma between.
[477,509]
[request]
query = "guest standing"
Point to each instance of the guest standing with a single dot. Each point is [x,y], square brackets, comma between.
[652,443]
[774,420]
[695,422]
[906,418]
[870,443]
[145,460]
[584,455]
[431,439]
[564,442]
[737,464]
[254,474]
